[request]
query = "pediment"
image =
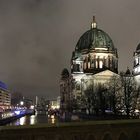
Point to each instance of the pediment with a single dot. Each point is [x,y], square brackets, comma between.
[106,73]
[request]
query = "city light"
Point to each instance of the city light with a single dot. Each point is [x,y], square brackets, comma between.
[32,107]
[21,103]
[32,120]
[17,112]
[22,120]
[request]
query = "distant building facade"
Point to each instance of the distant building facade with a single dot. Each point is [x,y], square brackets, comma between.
[5,96]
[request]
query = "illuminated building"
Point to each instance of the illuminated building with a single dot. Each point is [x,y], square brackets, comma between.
[55,104]
[5,96]
[94,61]
[136,68]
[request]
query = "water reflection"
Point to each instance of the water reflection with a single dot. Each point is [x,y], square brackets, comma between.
[34,119]
[53,121]
[22,120]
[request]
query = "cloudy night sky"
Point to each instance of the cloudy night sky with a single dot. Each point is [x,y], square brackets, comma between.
[37,38]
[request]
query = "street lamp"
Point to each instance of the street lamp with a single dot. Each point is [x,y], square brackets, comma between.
[21,103]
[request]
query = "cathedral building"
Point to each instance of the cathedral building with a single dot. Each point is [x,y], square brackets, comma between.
[136,67]
[94,61]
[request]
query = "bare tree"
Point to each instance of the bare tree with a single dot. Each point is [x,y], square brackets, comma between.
[89,99]
[115,94]
[130,93]
[95,99]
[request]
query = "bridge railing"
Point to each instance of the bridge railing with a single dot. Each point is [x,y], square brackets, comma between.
[92,130]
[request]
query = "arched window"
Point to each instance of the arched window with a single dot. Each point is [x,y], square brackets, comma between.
[77,67]
[136,61]
[81,67]
[96,64]
[89,64]
[85,65]
[100,64]
[72,67]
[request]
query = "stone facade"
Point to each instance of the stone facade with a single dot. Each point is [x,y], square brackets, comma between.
[94,61]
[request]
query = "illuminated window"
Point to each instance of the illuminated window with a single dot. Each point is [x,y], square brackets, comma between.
[96,64]
[138,69]
[88,64]
[81,66]
[136,60]
[100,64]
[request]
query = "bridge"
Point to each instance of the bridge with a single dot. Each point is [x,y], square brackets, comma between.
[91,130]
[11,115]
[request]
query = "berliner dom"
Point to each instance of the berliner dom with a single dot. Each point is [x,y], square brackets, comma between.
[94,52]
[94,61]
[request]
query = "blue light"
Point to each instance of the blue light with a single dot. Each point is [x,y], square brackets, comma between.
[17,112]
[3,85]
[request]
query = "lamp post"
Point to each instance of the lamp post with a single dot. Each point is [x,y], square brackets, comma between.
[21,103]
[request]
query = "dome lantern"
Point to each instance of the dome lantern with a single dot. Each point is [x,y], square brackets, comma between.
[93,24]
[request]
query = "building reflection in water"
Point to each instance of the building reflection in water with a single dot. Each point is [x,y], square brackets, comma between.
[32,120]
[51,119]
[22,120]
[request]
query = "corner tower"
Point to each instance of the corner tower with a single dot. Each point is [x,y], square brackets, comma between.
[136,67]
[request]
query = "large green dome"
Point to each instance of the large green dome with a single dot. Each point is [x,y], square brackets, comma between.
[94,38]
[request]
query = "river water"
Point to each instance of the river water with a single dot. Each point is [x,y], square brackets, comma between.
[33,120]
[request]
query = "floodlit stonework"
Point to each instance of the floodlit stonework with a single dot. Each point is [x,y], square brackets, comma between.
[94,61]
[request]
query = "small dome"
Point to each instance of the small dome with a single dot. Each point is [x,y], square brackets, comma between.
[128,72]
[94,38]
[138,47]
[65,73]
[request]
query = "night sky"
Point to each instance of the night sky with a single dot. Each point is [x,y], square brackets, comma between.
[37,38]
